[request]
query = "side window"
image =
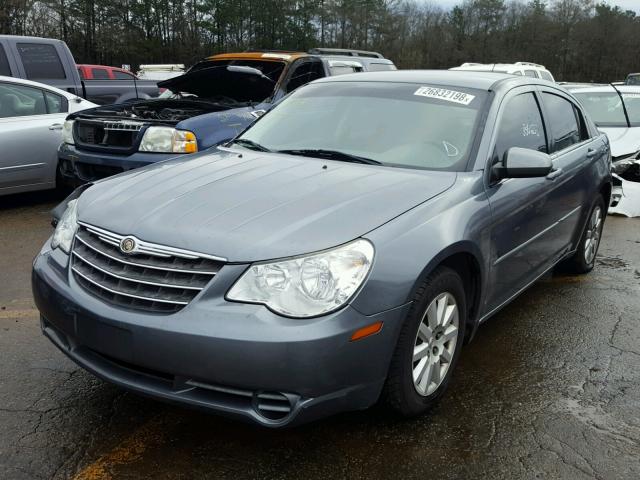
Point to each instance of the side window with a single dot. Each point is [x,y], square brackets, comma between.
[100,74]
[21,101]
[563,123]
[584,131]
[343,69]
[305,73]
[546,75]
[55,103]
[81,73]
[122,75]
[531,73]
[520,126]
[4,63]
[40,61]
[381,67]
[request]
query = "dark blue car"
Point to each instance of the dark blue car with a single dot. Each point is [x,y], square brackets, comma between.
[212,103]
[338,252]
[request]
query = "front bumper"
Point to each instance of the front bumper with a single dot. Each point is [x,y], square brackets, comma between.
[78,167]
[236,359]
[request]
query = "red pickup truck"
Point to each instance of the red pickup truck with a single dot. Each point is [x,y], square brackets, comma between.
[104,72]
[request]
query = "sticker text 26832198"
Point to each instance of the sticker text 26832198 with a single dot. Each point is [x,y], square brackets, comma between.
[446,95]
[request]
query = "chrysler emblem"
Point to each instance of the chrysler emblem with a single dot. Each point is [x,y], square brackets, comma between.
[128,245]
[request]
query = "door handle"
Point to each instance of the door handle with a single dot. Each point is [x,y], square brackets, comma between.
[55,126]
[554,174]
[592,152]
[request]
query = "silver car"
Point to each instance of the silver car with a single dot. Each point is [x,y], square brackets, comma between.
[31,127]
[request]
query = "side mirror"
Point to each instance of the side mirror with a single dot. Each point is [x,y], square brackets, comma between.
[523,163]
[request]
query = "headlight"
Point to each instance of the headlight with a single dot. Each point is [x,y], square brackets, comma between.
[67,132]
[306,286]
[168,140]
[66,228]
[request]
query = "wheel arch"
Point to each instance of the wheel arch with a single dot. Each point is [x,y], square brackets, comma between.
[466,260]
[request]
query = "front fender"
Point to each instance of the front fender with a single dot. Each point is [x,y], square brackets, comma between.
[412,245]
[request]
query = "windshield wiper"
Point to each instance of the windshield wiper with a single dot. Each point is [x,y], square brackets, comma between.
[250,144]
[331,155]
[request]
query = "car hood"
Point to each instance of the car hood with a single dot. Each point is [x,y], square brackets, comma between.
[624,141]
[255,206]
[219,81]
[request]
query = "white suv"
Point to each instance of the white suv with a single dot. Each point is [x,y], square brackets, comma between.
[519,68]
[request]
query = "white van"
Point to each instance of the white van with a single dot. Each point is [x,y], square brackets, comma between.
[519,68]
[160,71]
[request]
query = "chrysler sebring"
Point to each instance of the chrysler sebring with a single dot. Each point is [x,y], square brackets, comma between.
[339,252]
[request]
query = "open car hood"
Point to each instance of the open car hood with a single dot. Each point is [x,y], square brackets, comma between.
[220,81]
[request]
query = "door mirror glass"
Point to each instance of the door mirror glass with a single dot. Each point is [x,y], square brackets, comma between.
[524,163]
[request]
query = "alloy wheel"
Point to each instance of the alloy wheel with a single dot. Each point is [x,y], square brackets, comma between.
[592,239]
[435,344]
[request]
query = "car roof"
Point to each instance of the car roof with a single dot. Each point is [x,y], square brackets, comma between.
[459,78]
[351,58]
[24,37]
[273,56]
[31,83]
[88,65]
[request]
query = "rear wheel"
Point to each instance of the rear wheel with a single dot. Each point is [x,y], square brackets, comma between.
[429,344]
[584,259]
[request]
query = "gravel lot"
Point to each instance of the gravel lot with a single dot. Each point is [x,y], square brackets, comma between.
[550,388]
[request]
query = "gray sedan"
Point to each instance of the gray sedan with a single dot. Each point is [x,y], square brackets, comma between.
[31,127]
[340,251]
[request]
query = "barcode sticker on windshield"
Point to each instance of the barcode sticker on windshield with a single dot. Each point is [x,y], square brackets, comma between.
[444,94]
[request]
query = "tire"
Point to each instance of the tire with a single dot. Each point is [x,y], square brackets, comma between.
[404,395]
[62,188]
[584,259]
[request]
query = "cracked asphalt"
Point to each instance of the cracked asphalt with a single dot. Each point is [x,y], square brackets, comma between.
[550,388]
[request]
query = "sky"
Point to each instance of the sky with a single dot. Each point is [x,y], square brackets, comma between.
[623,4]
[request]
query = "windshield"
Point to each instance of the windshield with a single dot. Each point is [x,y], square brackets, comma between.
[606,109]
[396,124]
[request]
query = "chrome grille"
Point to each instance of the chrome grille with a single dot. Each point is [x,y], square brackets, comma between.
[121,134]
[155,278]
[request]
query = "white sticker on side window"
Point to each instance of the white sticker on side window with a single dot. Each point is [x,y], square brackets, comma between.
[444,94]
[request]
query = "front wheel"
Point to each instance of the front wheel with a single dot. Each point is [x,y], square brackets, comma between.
[429,344]
[584,259]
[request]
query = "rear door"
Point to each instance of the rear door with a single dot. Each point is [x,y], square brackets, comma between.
[30,132]
[573,153]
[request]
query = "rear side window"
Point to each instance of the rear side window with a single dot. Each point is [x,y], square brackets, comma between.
[41,61]
[381,67]
[521,126]
[531,73]
[55,103]
[343,69]
[546,75]
[122,75]
[563,122]
[100,73]
[81,73]
[4,63]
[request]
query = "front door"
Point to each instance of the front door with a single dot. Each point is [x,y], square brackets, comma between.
[523,211]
